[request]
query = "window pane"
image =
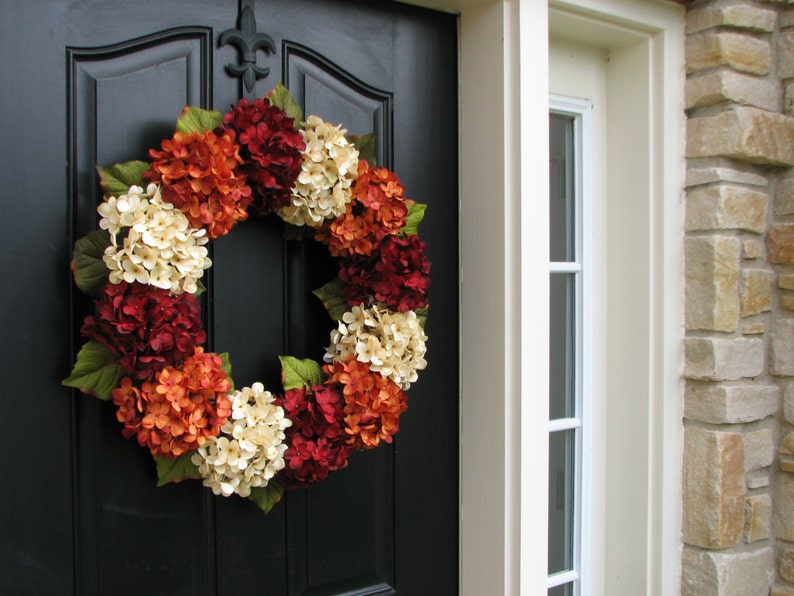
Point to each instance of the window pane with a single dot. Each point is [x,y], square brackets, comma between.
[562,347]
[561,195]
[561,500]
[563,590]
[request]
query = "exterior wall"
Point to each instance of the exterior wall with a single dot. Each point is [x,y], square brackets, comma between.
[738,476]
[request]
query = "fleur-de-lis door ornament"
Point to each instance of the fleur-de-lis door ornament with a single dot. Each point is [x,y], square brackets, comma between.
[248,41]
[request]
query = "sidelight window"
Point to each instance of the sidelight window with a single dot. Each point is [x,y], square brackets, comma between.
[569,271]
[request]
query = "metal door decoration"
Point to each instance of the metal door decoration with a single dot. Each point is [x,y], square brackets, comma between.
[145,347]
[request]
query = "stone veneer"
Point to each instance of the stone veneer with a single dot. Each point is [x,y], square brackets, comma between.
[738,469]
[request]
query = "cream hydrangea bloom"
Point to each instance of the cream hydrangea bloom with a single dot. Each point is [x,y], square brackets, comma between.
[393,343]
[250,450]
[330,165]
[160,248]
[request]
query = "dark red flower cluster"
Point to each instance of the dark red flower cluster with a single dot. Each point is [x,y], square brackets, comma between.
[271,148]
[317,439]
[376,210]
[199,174]
[397,275]
[176,411]
[373,403]
[146,327]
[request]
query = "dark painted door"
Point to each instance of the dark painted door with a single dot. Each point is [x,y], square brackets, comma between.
[95,81]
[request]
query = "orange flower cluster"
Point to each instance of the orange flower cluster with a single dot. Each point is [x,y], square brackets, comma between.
[373,403]
[376,210]
[179,409]
[199,175]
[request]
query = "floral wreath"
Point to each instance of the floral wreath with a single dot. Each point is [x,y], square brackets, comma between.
[144,266]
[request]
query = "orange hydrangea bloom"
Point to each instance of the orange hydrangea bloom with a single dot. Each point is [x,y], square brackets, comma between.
[373,403]
[199,175]
[179,409]
[377,209]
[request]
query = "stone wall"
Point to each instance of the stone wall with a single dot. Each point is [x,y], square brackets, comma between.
[738,478]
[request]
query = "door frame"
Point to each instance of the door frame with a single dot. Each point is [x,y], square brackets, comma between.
[504,275]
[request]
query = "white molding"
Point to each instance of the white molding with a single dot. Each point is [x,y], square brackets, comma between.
[504,287]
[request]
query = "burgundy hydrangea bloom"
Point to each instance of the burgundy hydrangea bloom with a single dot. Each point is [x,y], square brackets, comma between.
[146,327]
[317,439]
[397,275]
[271,148]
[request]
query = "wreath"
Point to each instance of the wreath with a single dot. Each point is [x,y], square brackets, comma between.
[143,267]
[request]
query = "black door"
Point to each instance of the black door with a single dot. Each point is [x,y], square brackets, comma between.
[90,82]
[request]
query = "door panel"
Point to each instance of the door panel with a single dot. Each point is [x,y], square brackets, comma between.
[92,517]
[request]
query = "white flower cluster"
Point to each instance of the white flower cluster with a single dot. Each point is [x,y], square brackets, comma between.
[160,248]
[251,447]
[393,343]
[330,165]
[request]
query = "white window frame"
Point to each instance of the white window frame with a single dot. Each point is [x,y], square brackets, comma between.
[504,165]
[580,111]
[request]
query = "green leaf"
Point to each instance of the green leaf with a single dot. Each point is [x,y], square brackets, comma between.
[267,496]
[422,314]
[176,470]
[332,295]
[366,147]
[116,180]
[193,119]
[90,271]
[226,366]
[299,373]
[416,213]
[200,288]
[280,97]
[95,372]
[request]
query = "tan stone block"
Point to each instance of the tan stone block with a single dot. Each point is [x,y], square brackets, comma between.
[729,404]
[781,590]
[757,480]
[741,52]
[781,349]
[705,573]
[785,281]
[757,518]
[780,244]
[788,98]
[723,173]
[787,444]
[728,85]
[714,488]
[744,133]
[783,511]
[787,301]
[726,207]
[712,283]
[753,328]
[788,401]
[785,47]
[759,449]
[787,465]
[752,249]
[740,16]
[710,359]
[787,564]
[784,194]
[756,292]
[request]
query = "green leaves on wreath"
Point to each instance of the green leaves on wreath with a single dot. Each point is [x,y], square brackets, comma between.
[193,119]
[95,372]
[176,470]
[267,496]
[415,215]
[90,271]
[281,97]
[296,374]
[226,366]
[366,147]
[332,296]
[116,180]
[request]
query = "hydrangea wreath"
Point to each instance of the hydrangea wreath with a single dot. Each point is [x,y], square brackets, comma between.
[144,349]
